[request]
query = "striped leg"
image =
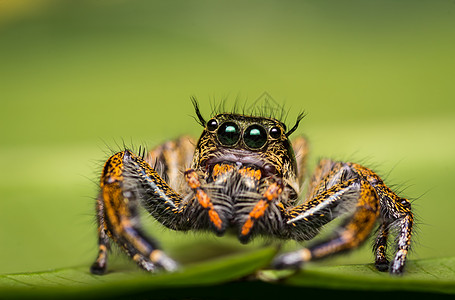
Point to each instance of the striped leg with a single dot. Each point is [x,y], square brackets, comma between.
[205,202]
[403,244]
[100,265]
[396,214]
[334,188]
[125,181]
[380,249]
[330,188]
[355,230]
[271,194]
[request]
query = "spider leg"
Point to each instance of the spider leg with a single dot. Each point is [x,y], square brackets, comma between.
[396,214]
[126,180]
[380,249]
[355,230]
[403,244]
[272,193]
[171,158]
[204,200]
[99,266]
[300,147]
[329,188]
[334,189]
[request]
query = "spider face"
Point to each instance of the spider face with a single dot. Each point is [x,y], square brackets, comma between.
[245,141]
[245,174]
[237,158]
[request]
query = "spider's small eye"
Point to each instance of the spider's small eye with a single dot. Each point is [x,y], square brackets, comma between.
[255,136]
[275,132]
[212,124]
[228,134]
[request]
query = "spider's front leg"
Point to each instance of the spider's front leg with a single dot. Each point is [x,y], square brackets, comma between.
[126,182]
[338,188]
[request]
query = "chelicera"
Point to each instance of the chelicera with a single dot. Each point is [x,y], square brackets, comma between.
[244,174]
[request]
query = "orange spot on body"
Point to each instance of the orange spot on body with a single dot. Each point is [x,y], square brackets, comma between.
[256,174]
[221,169]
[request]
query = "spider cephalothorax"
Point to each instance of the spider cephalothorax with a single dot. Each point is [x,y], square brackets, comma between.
[245,174]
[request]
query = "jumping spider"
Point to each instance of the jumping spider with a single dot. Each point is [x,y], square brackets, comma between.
[246,175]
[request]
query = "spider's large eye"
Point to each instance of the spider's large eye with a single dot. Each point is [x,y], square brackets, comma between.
[255,136]
[228,134]
[212,124]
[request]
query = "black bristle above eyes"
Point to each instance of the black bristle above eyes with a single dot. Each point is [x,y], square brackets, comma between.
[142,152]
[264,106]
[200,118]
[296,125]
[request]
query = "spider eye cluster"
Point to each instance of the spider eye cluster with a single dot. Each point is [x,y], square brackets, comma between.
[254,136]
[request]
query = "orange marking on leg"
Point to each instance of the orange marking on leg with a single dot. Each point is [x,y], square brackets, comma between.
[193,179]
[102,254]
[259,209]
[109,194]
[155,255]
[215,218]
[113,169]
[247,226]
[257,212]
[203,199]
[273,191]
[305,254]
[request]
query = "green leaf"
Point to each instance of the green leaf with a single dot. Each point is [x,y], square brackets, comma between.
[429,275]
[226,276]
[78,281]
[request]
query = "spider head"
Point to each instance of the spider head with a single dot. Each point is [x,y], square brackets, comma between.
[246,141]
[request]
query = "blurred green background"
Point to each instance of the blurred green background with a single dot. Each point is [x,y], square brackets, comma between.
[80,78]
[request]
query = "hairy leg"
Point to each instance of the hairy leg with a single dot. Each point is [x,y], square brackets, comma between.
[301,150]
[396,215]
[331,186]
[335,189]
[126,179]
[171,159]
